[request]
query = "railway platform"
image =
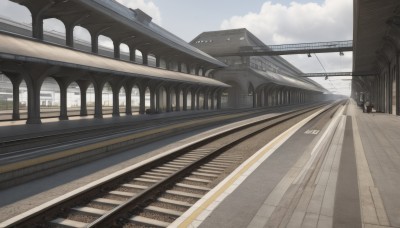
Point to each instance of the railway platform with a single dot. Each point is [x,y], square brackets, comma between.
[11,129]
[343,174]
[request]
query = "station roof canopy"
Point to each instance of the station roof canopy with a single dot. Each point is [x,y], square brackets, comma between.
[370,28]
[114,20]
[29,50]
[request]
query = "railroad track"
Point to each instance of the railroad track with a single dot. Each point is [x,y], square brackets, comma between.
[55,138]
[156,193]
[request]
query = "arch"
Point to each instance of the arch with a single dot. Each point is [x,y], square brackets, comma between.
[163,63]
[122,100]
[172,98]
[6,97]
[124,51]
[23,100]
[147,97]
[24,15]
[106,46]
[189,100]
[201,100]
[82,39]
[107,99]
[49,98]
[73,99]
[135,99]
[90,99]
[56,27]
[180,99]
[151,60]
[162,99]
[139,56]
[209,98]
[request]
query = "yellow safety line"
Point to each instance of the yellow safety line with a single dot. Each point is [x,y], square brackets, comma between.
[187,221]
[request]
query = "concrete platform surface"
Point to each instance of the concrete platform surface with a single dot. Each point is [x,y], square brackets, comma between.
[345,173]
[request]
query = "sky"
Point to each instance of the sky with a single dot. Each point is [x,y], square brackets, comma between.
[272,21]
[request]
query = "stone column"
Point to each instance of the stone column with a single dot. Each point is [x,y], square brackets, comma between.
[33,102]
[145,58]
[128,105]
[63,102]
[142,105]
[115,90]
[37,25]
[132,53]
[193,97]
[198,100]
[16,82]
[117,52]
[69,35]
[185,93]
[219,95]
[98,101]
[169,103]
[152,100]
[178,100]
[205,105]
[213,101]
[158,61]
[83,88]
[95,42]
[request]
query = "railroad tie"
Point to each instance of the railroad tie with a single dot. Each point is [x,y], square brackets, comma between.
[68,223]
[148,221]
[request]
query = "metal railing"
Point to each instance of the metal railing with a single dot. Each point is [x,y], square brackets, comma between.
[289,49]
[337,74]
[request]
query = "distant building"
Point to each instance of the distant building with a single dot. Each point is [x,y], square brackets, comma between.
[255,80]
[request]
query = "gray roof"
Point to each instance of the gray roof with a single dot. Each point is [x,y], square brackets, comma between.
[283,80]
[151,29]
[28,50]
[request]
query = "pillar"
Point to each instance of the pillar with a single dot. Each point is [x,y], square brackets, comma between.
[185,93]
[95,42]
[219,95]
[158,61]
[142,107]
[16,82]
[128,105]
[69,35]
[193,97]
[98,101]
[34,102]
[152,100]
[145,58]
[178,100]
[117,52]
[213,101]
[83,88]
[37,25]
[179,67]
[132,53]
[63,101]
[198,100]
[115,90]
[169,105]
[205,106]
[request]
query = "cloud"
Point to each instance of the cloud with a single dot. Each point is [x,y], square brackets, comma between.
[278,24]
[330,20]
[146,6]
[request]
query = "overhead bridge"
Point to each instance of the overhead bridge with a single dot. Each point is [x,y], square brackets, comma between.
[337,74]
[290,49]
